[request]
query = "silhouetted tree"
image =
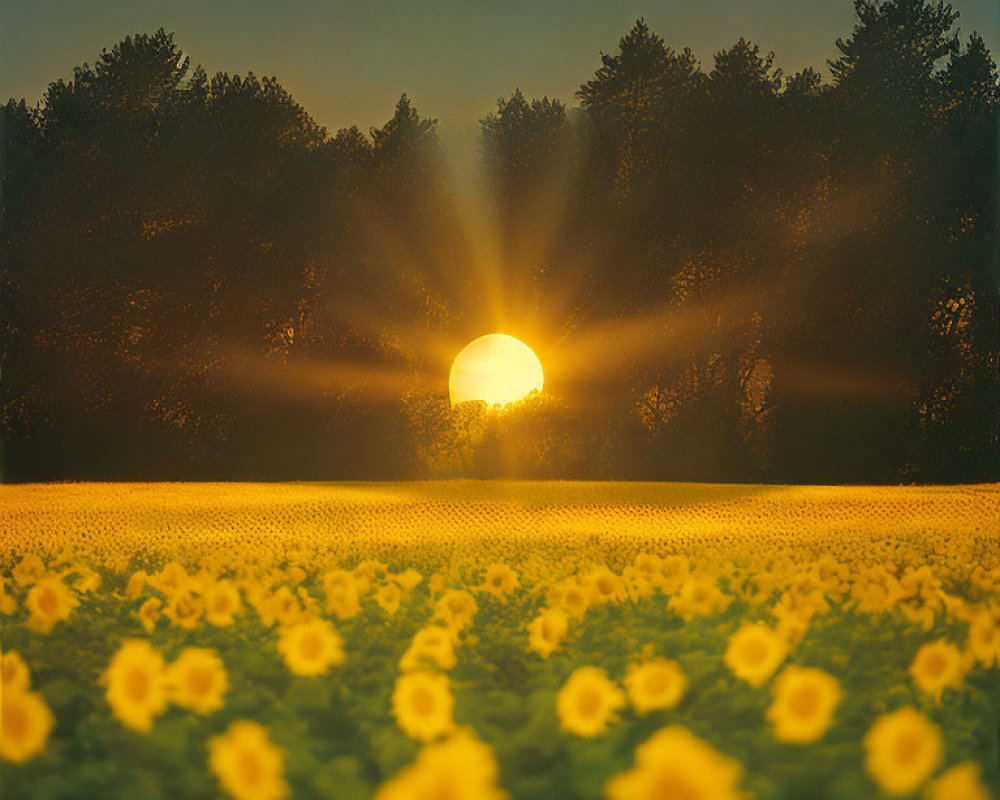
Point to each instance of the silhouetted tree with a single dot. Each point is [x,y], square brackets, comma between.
[196,279]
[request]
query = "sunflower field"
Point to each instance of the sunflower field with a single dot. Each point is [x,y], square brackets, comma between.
[499,640]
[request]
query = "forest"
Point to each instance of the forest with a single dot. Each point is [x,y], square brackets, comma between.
[730,273]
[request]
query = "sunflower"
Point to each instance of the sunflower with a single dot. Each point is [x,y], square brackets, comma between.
[222,603]
[655,684]
[14,672]
[431,646]
[185,607]
[804,701]
[793,625]
[87,581]
[698,597]
[136,685]
[407,579]
[937,665]
[674,572]
[458,767]
[311,647]
[247,764]
[366,572]
[389,597]
[500,581]
[546,631]
[197,680]
[296,574]
[437,582]
[456,608]
[569,597]
[49,601]
[422,704]
[588,702]
[639,584]
[341,589]
[8,603]
[754,653]
[902,750]
[281,606]
[674,763]
[136,583]
[649,565]
[983,641]
[28,570]
[170,578]
[25,723]
[604,586]
[150,613]
[961,782]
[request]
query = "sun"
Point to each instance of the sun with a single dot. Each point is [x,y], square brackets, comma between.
[497,369]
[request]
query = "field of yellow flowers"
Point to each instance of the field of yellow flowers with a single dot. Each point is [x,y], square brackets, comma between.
[495,640]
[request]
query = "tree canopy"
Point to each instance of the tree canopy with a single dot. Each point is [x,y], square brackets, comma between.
[754,276]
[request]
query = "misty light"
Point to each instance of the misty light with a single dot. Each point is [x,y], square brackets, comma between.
[497,369]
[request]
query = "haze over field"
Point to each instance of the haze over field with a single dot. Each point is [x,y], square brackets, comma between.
[428,519]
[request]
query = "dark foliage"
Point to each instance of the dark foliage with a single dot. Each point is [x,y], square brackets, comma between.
[198,281]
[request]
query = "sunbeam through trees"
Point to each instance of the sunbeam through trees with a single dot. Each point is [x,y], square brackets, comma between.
[728,273]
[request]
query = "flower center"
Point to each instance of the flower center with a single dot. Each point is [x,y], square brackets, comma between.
[805,702]
[589,701]
[669,786]
[907,748]
[8,669]
[137,684]
[200,680]
[423,701]
[657,682]
[249,767]
[754,651]
[15,721]
[934,665]
[48,602]
[311,646]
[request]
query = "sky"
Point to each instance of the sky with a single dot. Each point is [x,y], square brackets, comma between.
[347,63]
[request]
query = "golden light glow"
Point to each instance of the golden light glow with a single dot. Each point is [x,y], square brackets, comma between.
[495,368]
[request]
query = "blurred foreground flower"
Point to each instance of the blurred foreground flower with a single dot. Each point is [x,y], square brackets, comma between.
[459,767]
[654,685]
[222,603]
[500,581]
[804,701]
[937,666]
[247,764]
[546,631]
[49,601]
[674,764]
[588,702]
[25,723]
[431,646]
[197,680]
[902,751]
[311,647]
[961,782]
[14,672]
[136,684]
[422,704]
[754,653]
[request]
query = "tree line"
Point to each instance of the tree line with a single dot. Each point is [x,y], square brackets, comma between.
[797,276]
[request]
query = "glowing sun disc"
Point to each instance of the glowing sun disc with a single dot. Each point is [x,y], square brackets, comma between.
[495,368]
